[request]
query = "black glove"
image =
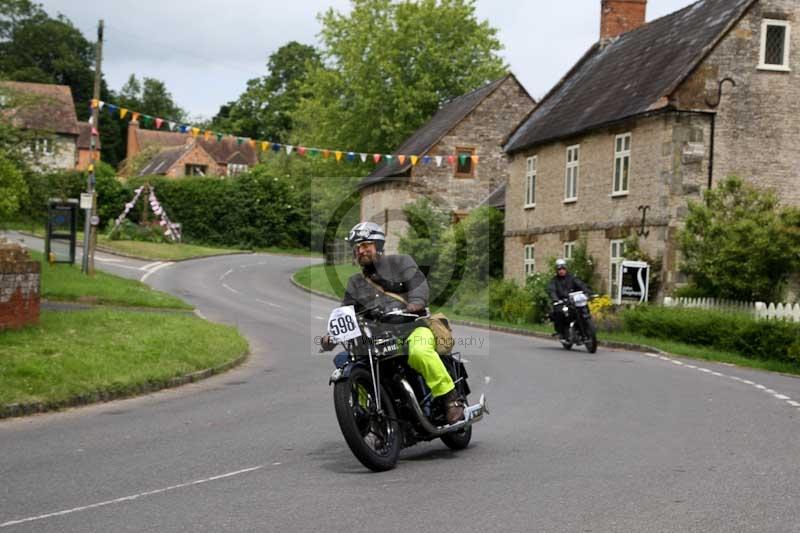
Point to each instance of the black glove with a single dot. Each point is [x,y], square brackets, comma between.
[327,343]
[415,308]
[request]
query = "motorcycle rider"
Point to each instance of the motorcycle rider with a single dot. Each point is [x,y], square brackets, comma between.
[559,288]
[398,274]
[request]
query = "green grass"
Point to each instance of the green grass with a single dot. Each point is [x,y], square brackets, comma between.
[315,277]
[66,283]
[76,353]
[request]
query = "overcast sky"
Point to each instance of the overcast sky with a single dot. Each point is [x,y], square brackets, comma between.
[206,50]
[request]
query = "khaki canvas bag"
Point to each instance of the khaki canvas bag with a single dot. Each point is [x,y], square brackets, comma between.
[437,322]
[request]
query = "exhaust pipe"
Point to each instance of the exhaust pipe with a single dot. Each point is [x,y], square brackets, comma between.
[472,413]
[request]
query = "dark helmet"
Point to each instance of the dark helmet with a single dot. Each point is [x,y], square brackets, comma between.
[367,232]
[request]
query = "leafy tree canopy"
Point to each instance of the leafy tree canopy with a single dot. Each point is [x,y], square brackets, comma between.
[388,68]
[264,110]
[150,96]
[740,244]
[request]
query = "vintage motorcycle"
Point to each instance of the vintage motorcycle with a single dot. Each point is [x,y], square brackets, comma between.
[581,330]
[382,404]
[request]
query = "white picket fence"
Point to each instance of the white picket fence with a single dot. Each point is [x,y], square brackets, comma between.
[781,311]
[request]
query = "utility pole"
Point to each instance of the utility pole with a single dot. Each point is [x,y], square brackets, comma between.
[90,224]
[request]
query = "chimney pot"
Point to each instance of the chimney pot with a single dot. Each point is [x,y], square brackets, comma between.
[620,16]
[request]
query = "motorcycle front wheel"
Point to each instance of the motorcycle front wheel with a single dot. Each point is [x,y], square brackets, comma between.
[591,337]
[374,438]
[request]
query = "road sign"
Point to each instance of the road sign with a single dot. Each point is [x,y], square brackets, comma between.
[86,200]
[95,220]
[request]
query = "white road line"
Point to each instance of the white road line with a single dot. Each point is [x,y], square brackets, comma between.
[154,270]
[320,317]
[781,397]
[225,275]
[129,498]
[793,403]
[148,266]
[107,260]
[271,304]
[230,288]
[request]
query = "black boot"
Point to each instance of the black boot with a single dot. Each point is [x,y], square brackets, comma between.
[453,407]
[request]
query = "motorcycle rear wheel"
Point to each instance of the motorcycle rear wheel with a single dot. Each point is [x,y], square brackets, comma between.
[373,438]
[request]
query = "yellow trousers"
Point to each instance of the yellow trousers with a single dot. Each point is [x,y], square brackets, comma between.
[423,358]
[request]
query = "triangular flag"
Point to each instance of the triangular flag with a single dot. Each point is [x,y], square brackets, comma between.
[219,137]
[102,105]
[111,108]
[389,157]
[351,156]
[95,103]
[207,135]
[122,112]
[401,158]
[326,153]
[94,132]
[239,140]
[171,125]
[414,160]
[264,146]
[91,120]
[474,159]
[184,128]
[301,150]
[135,117]
[146,120]
[289,148]
[313,152]
[276,147]
[376,157]
[451,159]
[363,157]
[438,159]
[195,132]
[338,155]
[462,159]
[159,122]
[426,159]
[252,142]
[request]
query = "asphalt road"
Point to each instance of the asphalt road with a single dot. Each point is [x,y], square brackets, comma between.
[615,441]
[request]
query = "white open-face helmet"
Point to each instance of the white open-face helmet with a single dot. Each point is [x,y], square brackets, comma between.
[367,232]
[561,263]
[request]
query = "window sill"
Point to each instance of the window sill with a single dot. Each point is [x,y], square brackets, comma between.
[774,68]
[529,206]
[570,201]
[621,194]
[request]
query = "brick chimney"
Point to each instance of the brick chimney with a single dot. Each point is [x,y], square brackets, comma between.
[133,147]
[620,16]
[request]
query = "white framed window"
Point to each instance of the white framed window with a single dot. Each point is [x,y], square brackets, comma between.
[775,39]
[236,168]
[43,146]
[622,164]
[617,256]
[569,249]
[530,259]
[571,176]
[530,182]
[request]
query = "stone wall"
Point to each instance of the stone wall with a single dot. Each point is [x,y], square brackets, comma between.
[758,129]
[19,287]
[669,166]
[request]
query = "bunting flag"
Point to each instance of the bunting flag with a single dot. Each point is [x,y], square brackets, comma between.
[348,155]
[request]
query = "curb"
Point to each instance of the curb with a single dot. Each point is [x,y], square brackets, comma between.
[22,409]
[505,329]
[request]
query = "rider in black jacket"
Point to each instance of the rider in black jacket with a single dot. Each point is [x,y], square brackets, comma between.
[560,286]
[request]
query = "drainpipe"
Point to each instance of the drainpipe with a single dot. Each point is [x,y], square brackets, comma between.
[714,128]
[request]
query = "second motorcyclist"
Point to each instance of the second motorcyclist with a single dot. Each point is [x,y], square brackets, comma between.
[559,288]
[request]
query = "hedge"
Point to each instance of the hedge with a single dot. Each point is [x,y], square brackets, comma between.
[736,332]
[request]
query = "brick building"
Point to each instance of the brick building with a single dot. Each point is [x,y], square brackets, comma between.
[650,117]
[473,124]
[180,154]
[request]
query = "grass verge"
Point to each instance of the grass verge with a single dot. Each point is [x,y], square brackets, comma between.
[315,277]
[66,283]
[77,353]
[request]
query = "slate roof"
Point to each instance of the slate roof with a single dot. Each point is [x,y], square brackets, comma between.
[496,199]
[631,75]
[426,137]
[85,137]
[44,107]
[164,160]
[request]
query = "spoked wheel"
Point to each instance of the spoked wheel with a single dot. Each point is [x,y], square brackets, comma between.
[374,438]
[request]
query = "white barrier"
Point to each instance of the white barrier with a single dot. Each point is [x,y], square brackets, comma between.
[781,311]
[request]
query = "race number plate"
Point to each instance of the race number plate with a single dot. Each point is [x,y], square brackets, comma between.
[342,324]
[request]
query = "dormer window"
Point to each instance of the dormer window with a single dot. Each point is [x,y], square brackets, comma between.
[775,39]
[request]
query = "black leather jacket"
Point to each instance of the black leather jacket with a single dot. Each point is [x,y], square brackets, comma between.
[560,287]
[394,273]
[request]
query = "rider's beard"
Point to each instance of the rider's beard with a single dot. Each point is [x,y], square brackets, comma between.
[366,260]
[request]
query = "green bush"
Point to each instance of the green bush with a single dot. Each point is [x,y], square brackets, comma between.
[536,287]
[128,231]
[509,302]
[736,332]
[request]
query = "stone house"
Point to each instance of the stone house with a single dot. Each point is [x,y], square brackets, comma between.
[180,154]
[474,124]
[48,113]
[651,116]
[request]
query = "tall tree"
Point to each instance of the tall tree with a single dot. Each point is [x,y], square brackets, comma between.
[389,66]
[150,96]
[264,110]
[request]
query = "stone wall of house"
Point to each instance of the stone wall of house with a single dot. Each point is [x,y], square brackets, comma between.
[64,156]
[757,129]
[484,129]
[195,156]
[669,166]
[19,287]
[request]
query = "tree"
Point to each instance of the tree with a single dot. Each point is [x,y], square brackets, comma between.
[389,66]
[12,187]
[740,244]
[150,96]
[264,110]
